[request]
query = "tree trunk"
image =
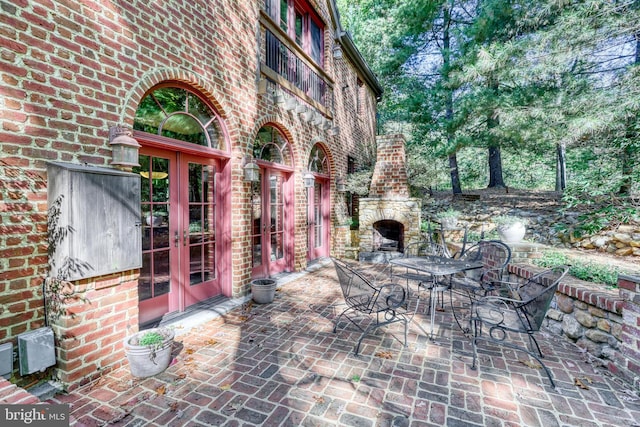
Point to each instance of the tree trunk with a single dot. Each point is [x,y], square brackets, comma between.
[446,57]
[455,176]
[561,167]
[495,168]
[628,155]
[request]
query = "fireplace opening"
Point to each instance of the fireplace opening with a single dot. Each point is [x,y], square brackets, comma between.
[388,236]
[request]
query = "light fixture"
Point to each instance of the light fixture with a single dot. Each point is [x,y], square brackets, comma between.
[337,51]
[291,104]
[334,131]
[309,180]
[341,187]
[278,97]
[251,170]
[124,148]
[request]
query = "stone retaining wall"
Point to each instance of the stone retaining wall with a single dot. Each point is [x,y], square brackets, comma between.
[605,323]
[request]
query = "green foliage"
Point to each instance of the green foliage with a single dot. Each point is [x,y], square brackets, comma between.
[587,271]
[449,213]
[152,339]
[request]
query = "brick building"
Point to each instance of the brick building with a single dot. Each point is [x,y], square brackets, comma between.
[212,92]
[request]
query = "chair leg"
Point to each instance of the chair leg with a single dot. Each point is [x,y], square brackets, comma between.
[514,347]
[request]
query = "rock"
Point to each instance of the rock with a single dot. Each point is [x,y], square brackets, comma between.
[598,241]
[585,319]
[591,347]
[624,238]
[624,251]
[572,328]
[598,336]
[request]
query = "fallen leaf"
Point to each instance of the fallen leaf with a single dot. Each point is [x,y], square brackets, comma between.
[580,384]
[189,351]
[243,318]
[530,364]
[161,390]
[173,406]
[384,355]
[319,399]
[225,387]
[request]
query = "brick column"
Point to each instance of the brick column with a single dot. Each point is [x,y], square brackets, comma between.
[95,322]
[629,288]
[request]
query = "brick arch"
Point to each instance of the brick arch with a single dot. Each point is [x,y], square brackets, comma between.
[286,131]
[161,75]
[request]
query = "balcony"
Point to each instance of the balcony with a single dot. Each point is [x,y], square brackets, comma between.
[287,65]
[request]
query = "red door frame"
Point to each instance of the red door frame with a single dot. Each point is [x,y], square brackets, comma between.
[176,300]
[314,252]
[268,268]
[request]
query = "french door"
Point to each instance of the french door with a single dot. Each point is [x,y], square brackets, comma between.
[180,211]
[270,235]
[318,219]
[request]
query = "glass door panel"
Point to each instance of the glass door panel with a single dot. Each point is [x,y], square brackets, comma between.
[199,230]
[269,223]
[154,283]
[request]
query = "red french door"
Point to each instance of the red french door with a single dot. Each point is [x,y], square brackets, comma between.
[179,217]
[318,219]
[270,237]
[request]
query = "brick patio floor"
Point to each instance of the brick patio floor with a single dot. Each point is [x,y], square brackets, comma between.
[280,364]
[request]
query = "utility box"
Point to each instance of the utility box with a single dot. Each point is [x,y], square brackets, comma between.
[94,221]
[6,360]
[36,351]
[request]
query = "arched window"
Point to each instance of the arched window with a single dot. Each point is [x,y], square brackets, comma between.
[175,112]
[318,160]
[271,146]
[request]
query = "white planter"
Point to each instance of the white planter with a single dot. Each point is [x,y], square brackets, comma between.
[146,361]
[512,233]
[263,291]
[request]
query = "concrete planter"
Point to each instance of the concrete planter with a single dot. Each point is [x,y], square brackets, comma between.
[263,291]
[512,233]
[149,360]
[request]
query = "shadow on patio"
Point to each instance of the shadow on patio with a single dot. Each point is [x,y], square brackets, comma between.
[281,364]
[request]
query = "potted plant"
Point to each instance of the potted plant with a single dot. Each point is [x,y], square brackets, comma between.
[149,351]
[510,228]
[448,218]
[263,291]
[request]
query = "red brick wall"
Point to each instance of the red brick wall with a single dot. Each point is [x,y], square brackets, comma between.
[72,69]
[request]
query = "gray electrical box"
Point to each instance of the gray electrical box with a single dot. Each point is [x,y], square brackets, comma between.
[6,360]
[94,220]
[36,351]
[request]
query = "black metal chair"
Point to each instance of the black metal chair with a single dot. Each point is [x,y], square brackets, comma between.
[471,284]
[495,256]
[521,312]
[380,305]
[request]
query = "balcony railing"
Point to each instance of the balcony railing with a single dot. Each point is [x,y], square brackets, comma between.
[287,64]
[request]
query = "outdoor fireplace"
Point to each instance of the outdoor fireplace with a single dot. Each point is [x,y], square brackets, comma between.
[389,218]
[388,235]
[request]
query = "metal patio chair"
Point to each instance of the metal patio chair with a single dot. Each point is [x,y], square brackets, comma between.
[522,312]
[369,303]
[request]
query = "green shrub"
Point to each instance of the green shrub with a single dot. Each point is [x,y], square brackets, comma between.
[151,339]
[587,271]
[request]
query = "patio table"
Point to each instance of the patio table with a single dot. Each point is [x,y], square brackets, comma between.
[436,268]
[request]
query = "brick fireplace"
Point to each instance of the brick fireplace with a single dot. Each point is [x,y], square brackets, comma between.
[389,218]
